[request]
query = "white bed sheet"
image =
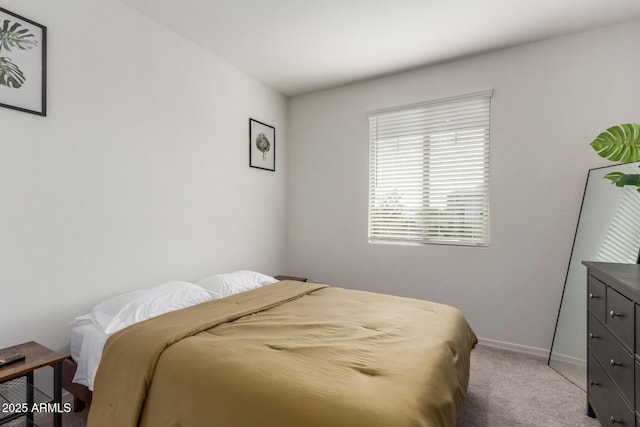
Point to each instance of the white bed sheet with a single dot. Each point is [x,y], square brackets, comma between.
[87,342]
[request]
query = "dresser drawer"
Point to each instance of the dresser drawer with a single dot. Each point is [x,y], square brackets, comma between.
[638,334]
[638,387]
[599,340]
[612,356]
[620,317]
[605,400]
[596,293]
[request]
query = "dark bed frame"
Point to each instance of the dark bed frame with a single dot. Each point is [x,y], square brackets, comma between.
[81,394]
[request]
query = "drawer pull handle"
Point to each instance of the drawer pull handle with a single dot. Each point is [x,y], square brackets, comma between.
[614,363]
[613,314]
[592,383]
[592,296]
[614,420]
[592,336]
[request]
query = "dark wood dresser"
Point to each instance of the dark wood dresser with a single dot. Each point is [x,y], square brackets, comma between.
[613,343]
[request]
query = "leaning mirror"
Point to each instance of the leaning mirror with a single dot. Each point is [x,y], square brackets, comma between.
[608,230]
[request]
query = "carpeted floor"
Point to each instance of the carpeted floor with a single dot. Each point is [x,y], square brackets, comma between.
[506,389]
[515,389]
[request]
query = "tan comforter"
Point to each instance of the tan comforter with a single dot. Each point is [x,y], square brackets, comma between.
[288,354]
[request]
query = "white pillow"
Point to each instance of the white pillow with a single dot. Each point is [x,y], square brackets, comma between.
[222,285]
[123,310]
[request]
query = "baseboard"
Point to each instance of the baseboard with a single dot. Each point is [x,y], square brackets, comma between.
[502,345]
[569,360]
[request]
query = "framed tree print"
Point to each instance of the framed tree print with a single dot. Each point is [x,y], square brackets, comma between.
[262,145]
[23,64]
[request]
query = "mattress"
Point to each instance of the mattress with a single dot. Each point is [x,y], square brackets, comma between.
[87,342]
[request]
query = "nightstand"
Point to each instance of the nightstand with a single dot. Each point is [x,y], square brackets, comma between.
[297,279]
[13,403]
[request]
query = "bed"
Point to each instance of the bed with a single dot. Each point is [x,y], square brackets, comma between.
[287,354]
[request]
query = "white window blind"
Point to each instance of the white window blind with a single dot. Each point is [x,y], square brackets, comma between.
[429,172]
[623,235]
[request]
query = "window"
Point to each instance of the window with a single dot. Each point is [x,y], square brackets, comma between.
[429,172]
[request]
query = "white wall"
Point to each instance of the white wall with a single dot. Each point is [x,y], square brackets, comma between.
[550,100]
[138,175]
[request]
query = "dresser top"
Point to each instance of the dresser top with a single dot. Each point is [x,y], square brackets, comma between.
[624,277]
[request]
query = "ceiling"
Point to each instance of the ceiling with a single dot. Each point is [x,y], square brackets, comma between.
[298,46]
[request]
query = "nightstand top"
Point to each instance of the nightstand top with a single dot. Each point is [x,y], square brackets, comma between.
[297,279]
[36,356]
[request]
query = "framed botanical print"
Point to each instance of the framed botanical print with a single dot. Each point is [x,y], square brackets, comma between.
[262,145]
[23,64]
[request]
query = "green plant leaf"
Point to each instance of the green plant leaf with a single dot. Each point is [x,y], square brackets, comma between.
[10,74]
[630,179]
[614,176]
[15,36]
[619,143]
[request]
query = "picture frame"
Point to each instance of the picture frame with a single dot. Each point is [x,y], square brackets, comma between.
[23,64]
[262,145]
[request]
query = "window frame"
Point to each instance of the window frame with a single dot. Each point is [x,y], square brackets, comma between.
[413,222]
